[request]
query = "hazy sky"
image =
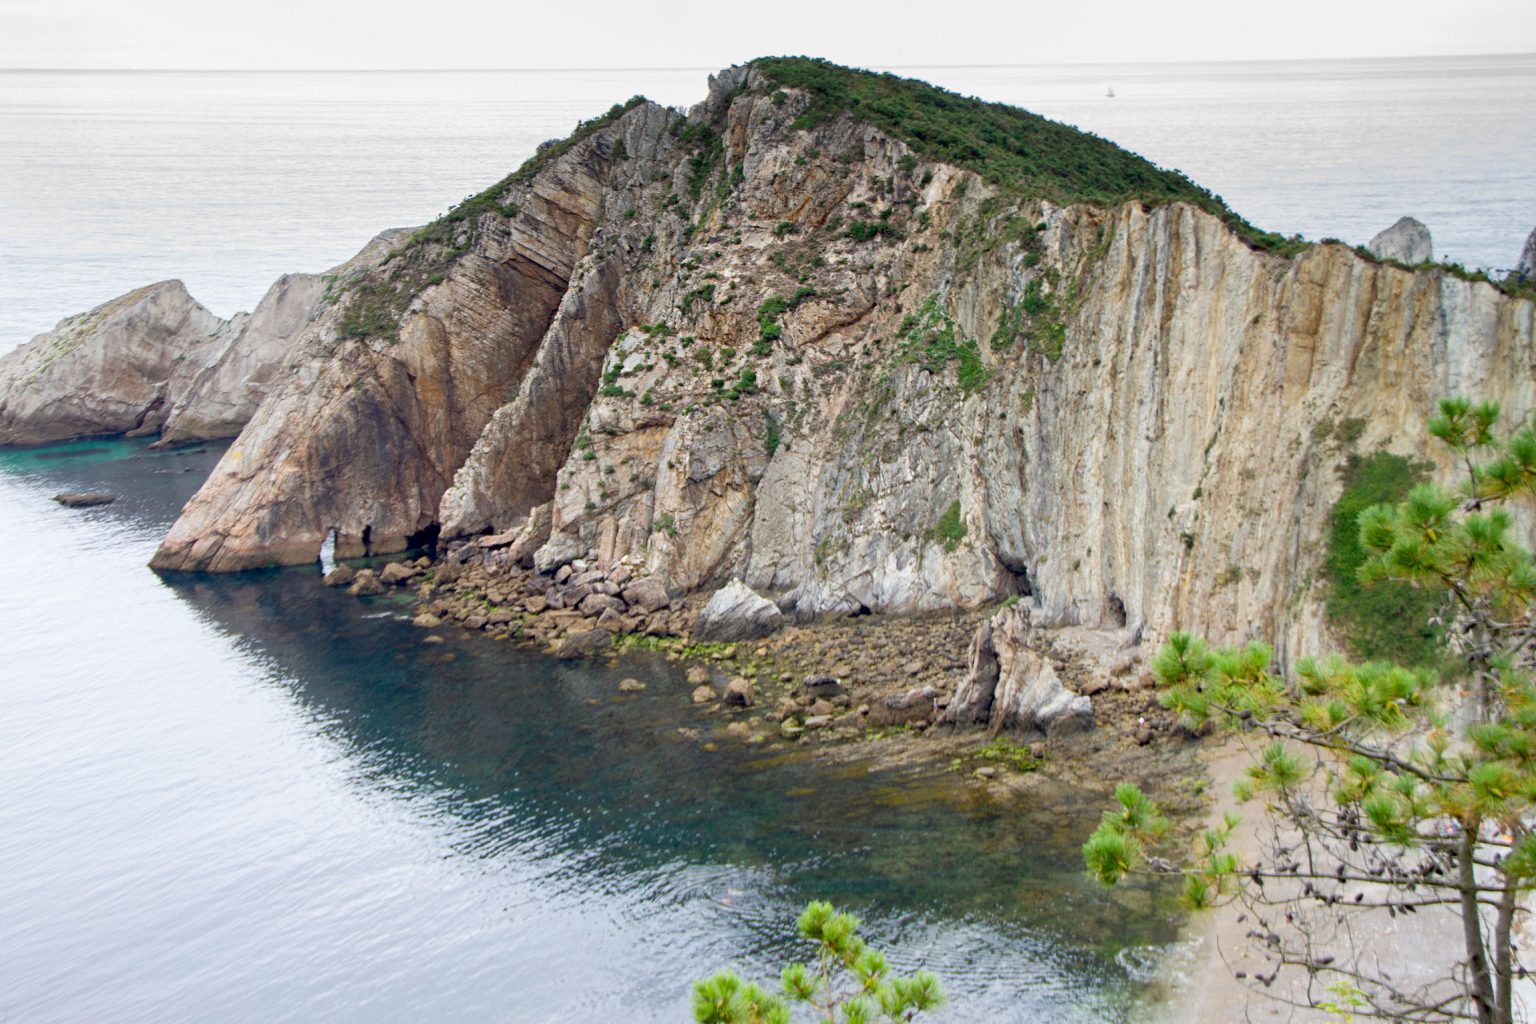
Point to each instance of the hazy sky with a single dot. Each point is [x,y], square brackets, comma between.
[686,33]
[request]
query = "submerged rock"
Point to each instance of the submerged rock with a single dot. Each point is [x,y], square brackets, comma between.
[1407,241]
[740,692]
[585,644]
[736,612]
[84,499]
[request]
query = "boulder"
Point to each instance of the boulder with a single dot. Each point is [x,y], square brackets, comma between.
[584,644]
[396,573]
[823,686]
[630,685]
[1407,241]
[1526,267]
[698,675]
[740,692]
[703,694]
[366,584]
[648,594]
[426,620]
[597,604]
[916,705]
[341,576]
[736,612]
[557,553]
[84,499]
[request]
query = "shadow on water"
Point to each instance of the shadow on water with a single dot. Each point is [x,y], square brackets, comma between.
[547,762]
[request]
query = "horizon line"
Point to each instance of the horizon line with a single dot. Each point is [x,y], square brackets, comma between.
[716,67]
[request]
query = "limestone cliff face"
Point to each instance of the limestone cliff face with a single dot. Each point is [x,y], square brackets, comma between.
[725,346]
[155,361]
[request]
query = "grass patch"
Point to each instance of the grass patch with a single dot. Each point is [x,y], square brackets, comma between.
[930,339]
[1387,620]
[949,531]
[1010,754]
[774,435]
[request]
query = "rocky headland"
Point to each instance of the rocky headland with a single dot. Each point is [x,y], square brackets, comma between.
[155,362]
[829,350]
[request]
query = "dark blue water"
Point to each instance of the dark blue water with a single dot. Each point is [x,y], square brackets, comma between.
[253,798]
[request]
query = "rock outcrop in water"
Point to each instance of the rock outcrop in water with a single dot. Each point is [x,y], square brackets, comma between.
[154,361]
[776,342]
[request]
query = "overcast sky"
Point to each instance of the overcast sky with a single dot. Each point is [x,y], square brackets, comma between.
[686,33]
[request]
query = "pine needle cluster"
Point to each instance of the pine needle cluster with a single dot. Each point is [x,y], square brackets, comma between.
[848,982]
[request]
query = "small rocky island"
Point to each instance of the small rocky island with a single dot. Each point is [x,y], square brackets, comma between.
[831,344]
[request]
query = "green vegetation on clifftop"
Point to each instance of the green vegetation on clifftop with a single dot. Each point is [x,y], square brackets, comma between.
[1010,147]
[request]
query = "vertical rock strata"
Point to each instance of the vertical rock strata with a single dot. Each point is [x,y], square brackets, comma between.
[724,346]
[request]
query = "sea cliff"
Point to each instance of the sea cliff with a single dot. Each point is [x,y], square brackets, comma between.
[865,346]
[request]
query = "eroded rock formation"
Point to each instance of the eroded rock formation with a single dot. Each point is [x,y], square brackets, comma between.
[155,361]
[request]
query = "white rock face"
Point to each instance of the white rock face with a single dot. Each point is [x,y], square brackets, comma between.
[1407,241]
[736,612]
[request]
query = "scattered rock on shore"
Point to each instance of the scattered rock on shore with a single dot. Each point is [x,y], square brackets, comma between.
[341,576]
[740,692]
[584,644]
[736,612]
[396,573]
[366,584]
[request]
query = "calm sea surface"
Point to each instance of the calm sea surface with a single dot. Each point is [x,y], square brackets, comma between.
[258,799]
[255,799]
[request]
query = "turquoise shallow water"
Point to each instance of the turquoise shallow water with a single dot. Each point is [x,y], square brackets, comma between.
[253,798]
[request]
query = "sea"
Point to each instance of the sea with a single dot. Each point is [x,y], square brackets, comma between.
[255,799]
